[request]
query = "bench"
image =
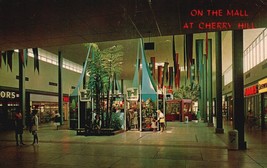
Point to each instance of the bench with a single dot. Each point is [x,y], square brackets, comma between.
[80,131]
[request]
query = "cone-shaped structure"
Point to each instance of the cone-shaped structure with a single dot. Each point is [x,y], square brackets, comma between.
[136,73]
[75,91]
[148,84]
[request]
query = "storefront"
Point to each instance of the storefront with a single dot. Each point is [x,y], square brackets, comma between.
[252,100]
[252,104]
[262,89]
[176,110]
[227,107]
[9,104]
[47,106]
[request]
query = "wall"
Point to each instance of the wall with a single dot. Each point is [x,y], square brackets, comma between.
[37,82]
[255,74]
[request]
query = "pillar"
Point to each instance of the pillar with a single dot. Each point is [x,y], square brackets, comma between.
[263,126]
[209,83]
[60,93]
[238,86]
[219,119]
[204,84]
[22,103]
[199,52]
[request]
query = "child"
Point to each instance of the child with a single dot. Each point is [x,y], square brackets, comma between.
[154,125]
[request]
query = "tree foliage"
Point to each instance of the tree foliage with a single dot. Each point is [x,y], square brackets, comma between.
[187,92]
[102,68]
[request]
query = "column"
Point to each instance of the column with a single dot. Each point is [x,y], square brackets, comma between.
[263,127]
[22,88]
[83,104]
[199,52]
[60,93]
[204,84]
[219,119]
[238,83]
[209,83]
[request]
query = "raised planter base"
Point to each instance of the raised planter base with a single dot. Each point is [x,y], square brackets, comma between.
[102,132]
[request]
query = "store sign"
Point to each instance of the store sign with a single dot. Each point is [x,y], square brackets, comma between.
[7,95]
[66,99]
[262,85]
[252,90]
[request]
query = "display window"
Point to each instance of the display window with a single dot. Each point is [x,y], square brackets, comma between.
[176,110]
[262,86]
[173,110]
[265,108]
[148,111]
[132,116]
[148,114]
[47,110]
[252,108]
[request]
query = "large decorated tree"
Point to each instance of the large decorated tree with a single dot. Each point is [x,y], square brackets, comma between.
[112,61]
[102,68]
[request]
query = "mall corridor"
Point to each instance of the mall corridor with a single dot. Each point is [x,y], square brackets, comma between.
[192,145]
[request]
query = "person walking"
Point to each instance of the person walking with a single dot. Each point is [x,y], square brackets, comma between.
[18,128]
[35,127]
[57,120]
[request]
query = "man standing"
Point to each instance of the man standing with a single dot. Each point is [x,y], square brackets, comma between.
[18,128]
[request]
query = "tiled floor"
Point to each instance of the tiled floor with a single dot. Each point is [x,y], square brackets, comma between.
[192,145]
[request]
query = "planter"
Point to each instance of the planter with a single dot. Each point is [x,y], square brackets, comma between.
[102,132]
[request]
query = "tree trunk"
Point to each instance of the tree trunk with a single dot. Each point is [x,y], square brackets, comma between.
[107,112]
[111,102]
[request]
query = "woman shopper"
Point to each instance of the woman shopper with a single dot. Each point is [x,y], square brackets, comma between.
[161,120]
[35,127]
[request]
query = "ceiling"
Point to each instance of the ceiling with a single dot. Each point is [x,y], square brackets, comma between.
[65,25]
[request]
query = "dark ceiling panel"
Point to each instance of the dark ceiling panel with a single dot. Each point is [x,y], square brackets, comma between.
[99,19]
[58,24]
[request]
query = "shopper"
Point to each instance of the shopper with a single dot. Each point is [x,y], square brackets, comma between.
[97,124]
[57,119]
[135,120]
[18,128]
[35,127]
[198,115]
[154,124]
[161,120]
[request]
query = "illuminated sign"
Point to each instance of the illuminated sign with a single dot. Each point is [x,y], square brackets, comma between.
[8,95]
[252,90]
[262,85]
[216,16]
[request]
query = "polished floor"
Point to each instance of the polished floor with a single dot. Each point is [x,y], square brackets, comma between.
[191,145]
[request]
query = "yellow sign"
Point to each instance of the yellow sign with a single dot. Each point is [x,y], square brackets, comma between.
[262,85]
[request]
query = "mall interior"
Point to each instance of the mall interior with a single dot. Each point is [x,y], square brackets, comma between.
[202,63]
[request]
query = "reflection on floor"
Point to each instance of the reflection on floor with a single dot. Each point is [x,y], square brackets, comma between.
[181,145]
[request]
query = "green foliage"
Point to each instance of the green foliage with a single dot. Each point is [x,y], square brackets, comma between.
[116,122]
[95,68]
[102,68]
[112,60]
[73,104]
[187,92]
